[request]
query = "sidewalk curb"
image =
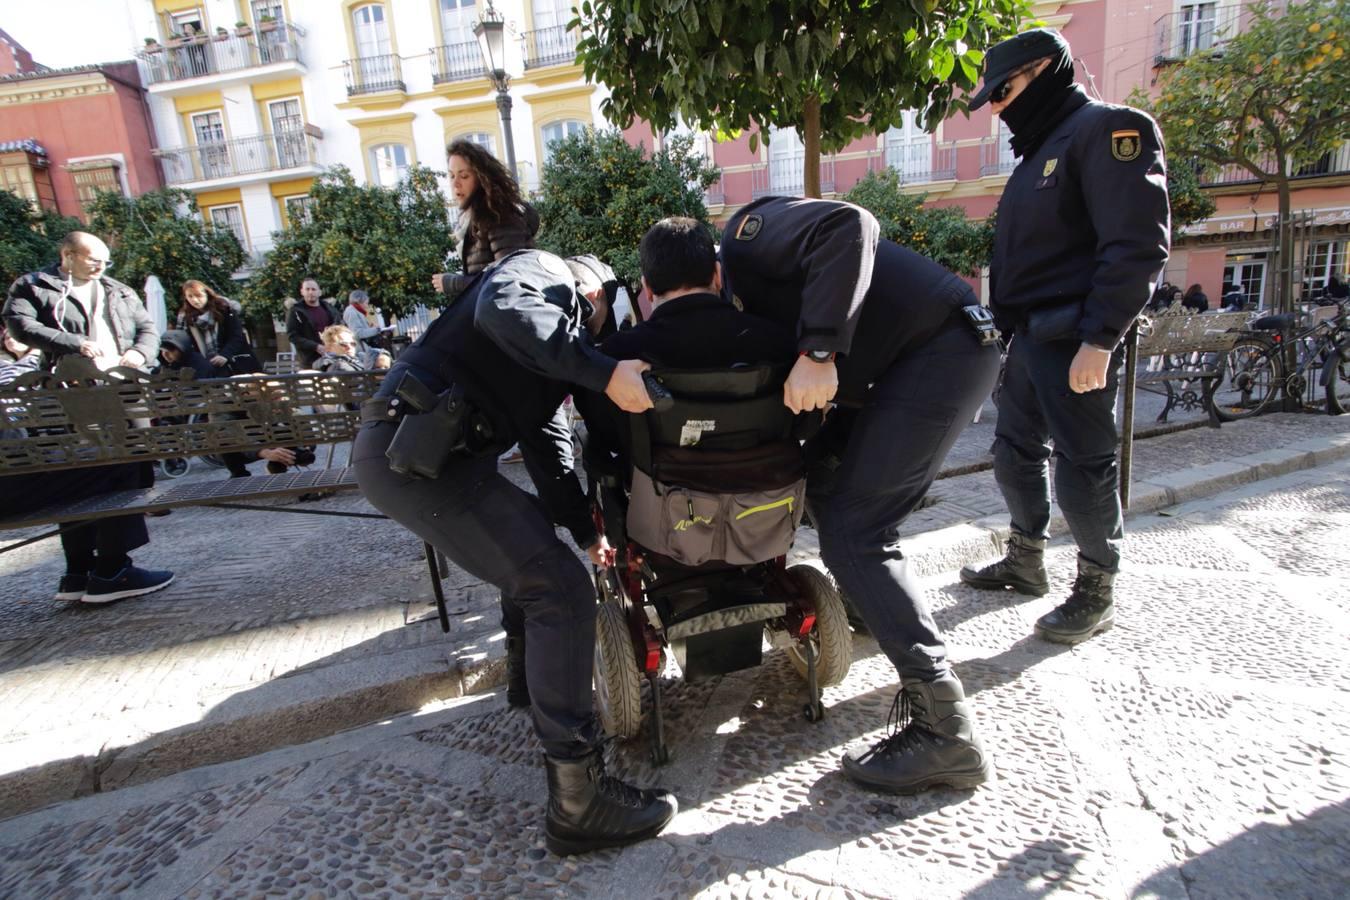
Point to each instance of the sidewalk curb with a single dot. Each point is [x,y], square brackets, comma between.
[309,707]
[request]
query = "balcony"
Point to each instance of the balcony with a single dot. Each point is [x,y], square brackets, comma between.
[715,194]
[1197,28]
[221,55]
[548,47]
[456,62]
[1336,162]
[917,162]
[242,158]
[373,74]
[996,157]
[786,175]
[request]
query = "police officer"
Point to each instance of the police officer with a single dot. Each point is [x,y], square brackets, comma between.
[1083,234]
[499,362]
[903,346]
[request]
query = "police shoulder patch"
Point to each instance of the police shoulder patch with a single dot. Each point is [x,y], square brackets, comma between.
[1125,144]
[749,228]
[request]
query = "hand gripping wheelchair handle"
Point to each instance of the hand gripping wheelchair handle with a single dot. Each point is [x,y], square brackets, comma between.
[662,400]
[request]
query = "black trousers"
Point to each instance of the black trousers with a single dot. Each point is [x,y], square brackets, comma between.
[496,532]
[105,542]
[911,417]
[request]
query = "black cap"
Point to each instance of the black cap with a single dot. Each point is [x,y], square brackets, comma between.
[1008,56]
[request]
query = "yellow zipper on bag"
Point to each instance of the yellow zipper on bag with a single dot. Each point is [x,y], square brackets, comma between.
[786,501]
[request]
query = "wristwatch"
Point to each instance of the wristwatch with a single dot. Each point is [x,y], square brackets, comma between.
[820,356]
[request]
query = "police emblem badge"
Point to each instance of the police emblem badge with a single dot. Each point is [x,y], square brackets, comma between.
[1049,167]
[1125,145]
[749,228]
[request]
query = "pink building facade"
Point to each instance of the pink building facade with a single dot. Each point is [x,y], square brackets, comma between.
[66,134]
[1118,45]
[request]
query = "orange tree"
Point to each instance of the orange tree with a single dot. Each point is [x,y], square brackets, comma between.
[29,237]
[1272,99]
[387,241]
[834,71]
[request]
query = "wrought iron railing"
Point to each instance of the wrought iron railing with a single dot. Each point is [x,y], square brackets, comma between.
[1198,28]
[221,53]
[242,156]
[786,176]
[1336,162]
[917,162]
[715,194]
[548,47]
[456,62]
[370,74]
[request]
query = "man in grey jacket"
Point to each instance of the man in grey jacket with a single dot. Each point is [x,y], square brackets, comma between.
[74,307]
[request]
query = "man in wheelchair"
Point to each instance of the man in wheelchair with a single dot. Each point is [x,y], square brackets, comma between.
[710,490]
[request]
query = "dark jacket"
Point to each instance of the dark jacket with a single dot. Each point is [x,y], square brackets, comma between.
[1197,302]
[485,245]
[341,364]
[696,331]
[231,341]
[513,340]
[820,268]
[302,334]
[190,357]
[1084,218]
[39,312]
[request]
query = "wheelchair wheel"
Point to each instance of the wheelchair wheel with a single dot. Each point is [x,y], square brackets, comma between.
[618,688]
[831,637]
[175,467]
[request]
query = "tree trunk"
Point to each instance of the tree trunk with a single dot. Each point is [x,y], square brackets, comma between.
[1284,298]
[811,141]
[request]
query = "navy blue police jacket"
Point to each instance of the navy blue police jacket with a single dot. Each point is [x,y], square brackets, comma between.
[513,341]
[821,268]
[1084,218]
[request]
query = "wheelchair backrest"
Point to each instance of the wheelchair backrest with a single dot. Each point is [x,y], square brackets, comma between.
[721,409]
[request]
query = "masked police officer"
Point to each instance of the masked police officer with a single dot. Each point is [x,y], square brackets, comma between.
[489,372]
[903,346]
[1083,234]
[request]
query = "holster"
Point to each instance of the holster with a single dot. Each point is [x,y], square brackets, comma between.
[1054,323]
[428,437]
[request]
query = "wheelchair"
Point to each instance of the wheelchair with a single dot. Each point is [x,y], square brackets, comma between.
[701,520]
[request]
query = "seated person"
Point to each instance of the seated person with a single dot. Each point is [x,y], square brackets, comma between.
[692,326]
[341,352]
[177,352]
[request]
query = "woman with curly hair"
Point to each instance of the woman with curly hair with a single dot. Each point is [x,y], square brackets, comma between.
[493,219]
[216,326]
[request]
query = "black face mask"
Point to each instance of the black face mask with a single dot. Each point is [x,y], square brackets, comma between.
[1041,106]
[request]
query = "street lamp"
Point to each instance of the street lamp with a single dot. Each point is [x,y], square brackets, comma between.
[491,33]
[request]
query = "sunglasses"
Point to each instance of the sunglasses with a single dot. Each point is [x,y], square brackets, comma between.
[1000,93]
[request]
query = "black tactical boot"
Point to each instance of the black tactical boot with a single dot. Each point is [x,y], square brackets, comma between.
[932,742]
[517,689]
[589,810]
[1088,610]
[1023,569]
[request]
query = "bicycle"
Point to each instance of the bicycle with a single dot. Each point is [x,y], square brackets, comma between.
[1255,369]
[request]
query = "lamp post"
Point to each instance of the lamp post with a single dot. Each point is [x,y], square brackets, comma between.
[491,33]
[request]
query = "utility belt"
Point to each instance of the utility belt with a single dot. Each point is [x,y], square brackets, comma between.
[432,428]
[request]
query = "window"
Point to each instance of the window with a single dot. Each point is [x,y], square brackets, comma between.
[229,218]
[787,161]
[1248,272]
[1196,27]
[388,163]
[372,31]
[17,178]
[274,9]
[181,21]
[457,18]
[552,13]
[299,210]
[909,150]
[213,155]
[1323,259]
[482,139]
[288,132]
[1007,160]
[558,131]
[93,178]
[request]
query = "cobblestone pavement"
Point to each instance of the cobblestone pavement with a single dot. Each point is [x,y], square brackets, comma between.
[1201,749]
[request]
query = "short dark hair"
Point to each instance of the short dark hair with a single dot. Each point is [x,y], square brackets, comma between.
[677,252]
[301,282]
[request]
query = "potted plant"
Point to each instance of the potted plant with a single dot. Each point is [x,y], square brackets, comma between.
[221,33]
[176,40]
[152,43]
[266,23]
[241,28]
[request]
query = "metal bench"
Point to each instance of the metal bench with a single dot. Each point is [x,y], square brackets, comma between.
[1186,351]
[78,417]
